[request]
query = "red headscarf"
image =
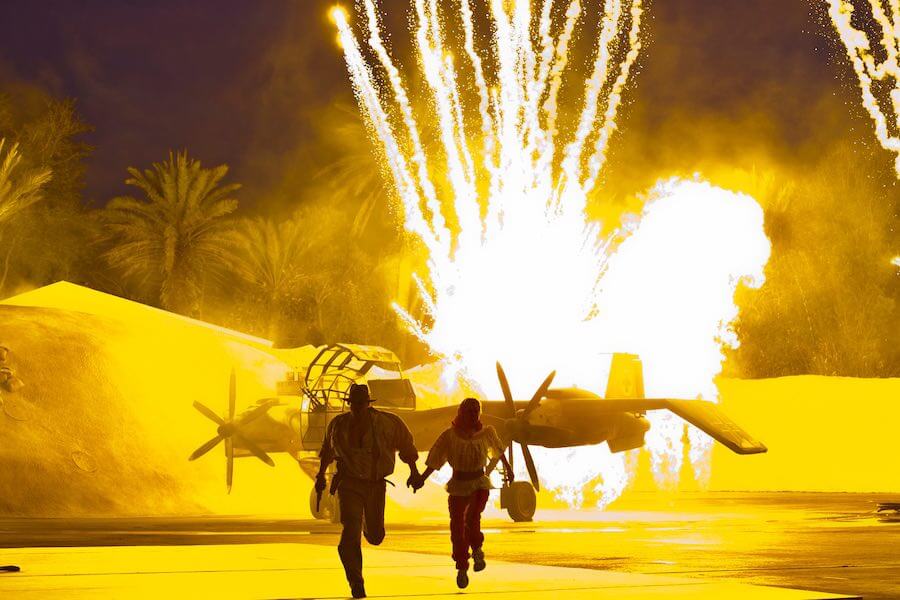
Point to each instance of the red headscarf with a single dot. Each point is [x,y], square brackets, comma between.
[467,421]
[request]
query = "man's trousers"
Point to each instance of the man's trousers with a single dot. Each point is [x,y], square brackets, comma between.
[362,511]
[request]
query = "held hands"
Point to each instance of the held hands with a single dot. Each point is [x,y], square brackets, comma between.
[415,481]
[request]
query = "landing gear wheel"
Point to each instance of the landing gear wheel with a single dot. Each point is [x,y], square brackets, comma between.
[327,506]
[519,500]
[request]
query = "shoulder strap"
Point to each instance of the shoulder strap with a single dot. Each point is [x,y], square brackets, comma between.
[376,448]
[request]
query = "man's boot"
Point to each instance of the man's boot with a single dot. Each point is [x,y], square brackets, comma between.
[358,590]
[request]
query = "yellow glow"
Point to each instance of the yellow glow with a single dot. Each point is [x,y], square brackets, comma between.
[789,413]
[337,14]
[896,261]
[124,376]
[516,271]
[867,70]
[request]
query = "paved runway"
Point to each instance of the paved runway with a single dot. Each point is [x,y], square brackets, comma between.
[301,571]
[825,542]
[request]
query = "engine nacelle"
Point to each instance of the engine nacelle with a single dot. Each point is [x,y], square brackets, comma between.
[621,444]
[629,433]
[538,435]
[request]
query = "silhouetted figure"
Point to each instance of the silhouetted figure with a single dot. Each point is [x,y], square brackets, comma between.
[466,445]
[364,442]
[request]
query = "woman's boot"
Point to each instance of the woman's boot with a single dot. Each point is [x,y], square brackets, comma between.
[462,578]
[478,559]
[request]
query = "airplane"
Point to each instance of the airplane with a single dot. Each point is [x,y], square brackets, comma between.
[294,421]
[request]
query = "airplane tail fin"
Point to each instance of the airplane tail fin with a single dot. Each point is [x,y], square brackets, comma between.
[625,392]
[626,377]
[708,417]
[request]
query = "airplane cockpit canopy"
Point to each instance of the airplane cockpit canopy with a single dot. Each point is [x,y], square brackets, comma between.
[337,366]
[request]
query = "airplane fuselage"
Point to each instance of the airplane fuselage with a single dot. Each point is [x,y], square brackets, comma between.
[295,422]
[556,423]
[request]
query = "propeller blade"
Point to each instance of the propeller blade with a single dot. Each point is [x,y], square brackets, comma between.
[257,412]
[229,463]
[498,423]
[538,395]
[232,393]
[532,471]
[208,413]
[504,385]
[256,450]
[205,448]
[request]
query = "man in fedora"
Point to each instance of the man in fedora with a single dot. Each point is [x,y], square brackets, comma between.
[364,442]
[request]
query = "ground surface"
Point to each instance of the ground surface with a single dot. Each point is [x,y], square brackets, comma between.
[303,571]
[827,542]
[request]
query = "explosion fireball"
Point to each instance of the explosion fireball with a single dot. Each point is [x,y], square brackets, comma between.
[516,270]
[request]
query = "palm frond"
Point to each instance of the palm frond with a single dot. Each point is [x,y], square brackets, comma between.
[273,256]
[178,235]
[18,190]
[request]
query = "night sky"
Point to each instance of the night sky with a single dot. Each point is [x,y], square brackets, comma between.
[244,83]
[209,76]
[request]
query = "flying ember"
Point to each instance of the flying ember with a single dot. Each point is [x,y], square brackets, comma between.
[517,273]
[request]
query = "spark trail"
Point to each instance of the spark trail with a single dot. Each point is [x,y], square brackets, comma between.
[498,197]
[528,180]
[871,72]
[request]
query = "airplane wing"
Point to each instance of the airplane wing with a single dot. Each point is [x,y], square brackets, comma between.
[702,414]
[710,418]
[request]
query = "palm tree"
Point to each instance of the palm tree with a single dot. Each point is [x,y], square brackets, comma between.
[178,235]
[18,193]
[272,265]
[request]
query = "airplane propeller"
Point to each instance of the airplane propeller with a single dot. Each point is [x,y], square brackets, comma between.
[518,422]
[229,430]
